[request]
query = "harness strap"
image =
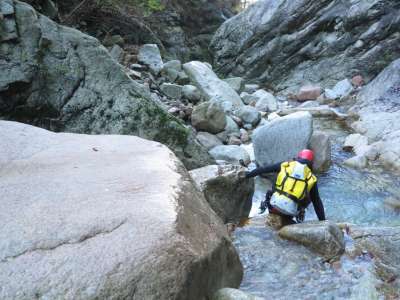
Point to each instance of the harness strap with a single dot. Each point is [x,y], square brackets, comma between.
[291,197]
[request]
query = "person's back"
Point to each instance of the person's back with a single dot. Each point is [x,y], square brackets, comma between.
[295,188]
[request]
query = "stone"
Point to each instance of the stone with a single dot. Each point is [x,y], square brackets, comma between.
[101,217]
[226,190]
[382,243]
[249,115]
[209,117]
[248,99]
[233,140]
[340,90]
[150,55]
[82,89]
[231,127]
[237,120]
[171,70]
[136,67]
[237,83]
[208,140]
[233,294]
[210,85]
[134,74]
[231,154]
[282,138]
[265,101]
[358,162]
[307,104]
[244,136]
[355,142]
[308,92]
[191,93]
[183,79]
[320,143]
[324,237]
[251,88]
[171,90]
[378,114]
[315,111]
[357,81]
[263,45]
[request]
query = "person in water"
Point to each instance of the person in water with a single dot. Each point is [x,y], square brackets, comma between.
[295,188]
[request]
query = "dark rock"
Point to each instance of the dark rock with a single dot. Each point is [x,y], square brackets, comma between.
[285,44]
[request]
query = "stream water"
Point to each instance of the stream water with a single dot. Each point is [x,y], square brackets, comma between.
[277,269]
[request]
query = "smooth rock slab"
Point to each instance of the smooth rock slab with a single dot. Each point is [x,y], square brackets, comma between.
[325,237]
[105,217]
[282,138]
[210,85]
[227,191]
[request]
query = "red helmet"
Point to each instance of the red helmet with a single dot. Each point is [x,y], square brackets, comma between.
[306,154]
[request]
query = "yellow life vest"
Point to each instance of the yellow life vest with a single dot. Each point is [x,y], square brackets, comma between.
[295,180]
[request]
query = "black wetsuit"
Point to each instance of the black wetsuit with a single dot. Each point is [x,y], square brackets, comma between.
[314,195]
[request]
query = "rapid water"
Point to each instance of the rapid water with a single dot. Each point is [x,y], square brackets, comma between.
[274,269]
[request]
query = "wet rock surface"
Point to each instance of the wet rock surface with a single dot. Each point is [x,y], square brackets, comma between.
[225,188]
[325,238]
[122,220]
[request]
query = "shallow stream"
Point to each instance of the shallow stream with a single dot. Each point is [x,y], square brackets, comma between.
[277,269]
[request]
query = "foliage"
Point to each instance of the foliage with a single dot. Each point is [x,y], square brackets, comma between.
[147,6]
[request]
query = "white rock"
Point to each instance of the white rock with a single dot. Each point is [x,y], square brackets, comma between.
[265,101]
[341,89]
[211,86]
[231,154]
[150,55]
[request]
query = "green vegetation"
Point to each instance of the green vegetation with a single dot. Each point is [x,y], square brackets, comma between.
[147,6]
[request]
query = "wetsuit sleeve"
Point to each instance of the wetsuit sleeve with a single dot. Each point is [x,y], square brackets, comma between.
[317,203]
[263,170]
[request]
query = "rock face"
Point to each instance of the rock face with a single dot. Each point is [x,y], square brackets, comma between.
[282,138]
[209,117]
[326,238]
[229,194]
[60,79]
[379,111]
[286,43]
[210,85]
[101,217]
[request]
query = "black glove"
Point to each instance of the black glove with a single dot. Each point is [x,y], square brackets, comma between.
[263,207]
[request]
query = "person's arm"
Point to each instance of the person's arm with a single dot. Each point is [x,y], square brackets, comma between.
[317,203]
[263,170]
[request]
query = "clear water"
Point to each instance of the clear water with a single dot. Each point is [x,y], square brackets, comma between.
[273,267]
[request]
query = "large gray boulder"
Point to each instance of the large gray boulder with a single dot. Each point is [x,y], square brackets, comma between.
[63,80]
[265,101]
[150,56]
[210,85]
[101,217]
[231,154]
[249,115]
[286,44]
[208,140]
[209,117]
[378,109]
[282,138]
[326,238]
[226,189]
